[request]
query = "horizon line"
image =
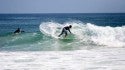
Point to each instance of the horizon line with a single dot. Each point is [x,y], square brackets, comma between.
[68,13]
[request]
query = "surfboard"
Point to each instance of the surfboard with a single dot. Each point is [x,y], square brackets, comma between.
[69,36]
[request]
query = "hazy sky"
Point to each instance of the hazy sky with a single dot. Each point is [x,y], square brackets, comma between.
[62,6]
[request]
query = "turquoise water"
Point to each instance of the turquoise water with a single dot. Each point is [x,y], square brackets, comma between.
[41,30]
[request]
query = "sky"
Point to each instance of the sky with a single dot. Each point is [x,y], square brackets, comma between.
[62,6]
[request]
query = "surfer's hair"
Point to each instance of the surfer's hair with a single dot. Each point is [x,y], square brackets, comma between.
[70,26]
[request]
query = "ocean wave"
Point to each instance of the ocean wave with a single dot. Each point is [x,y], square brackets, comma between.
[89,33]
[83,36]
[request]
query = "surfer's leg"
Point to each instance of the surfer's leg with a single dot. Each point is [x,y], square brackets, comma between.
[65,34]
[61,33]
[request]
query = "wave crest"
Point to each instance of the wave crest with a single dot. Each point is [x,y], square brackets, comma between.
[89,33]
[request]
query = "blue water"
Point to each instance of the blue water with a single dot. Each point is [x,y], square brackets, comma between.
[110,24]
[31,22]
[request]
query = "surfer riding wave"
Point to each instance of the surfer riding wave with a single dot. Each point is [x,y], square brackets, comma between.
[65,29]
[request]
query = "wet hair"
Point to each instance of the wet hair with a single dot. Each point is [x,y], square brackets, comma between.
[70,26]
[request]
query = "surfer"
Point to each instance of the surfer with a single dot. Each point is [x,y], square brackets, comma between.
[18,31]
[65,29]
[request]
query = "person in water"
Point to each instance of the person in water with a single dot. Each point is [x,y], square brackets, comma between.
[65,29]
[18,31]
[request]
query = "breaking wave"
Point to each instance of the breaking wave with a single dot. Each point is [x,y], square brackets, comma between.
[83,36]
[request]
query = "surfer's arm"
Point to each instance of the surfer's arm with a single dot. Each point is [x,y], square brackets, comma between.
[69,30]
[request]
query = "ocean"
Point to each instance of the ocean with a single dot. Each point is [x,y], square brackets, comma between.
[97,41]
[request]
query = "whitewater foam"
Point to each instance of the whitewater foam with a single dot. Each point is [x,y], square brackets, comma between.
[89,33]
[110,36]
[96,59]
